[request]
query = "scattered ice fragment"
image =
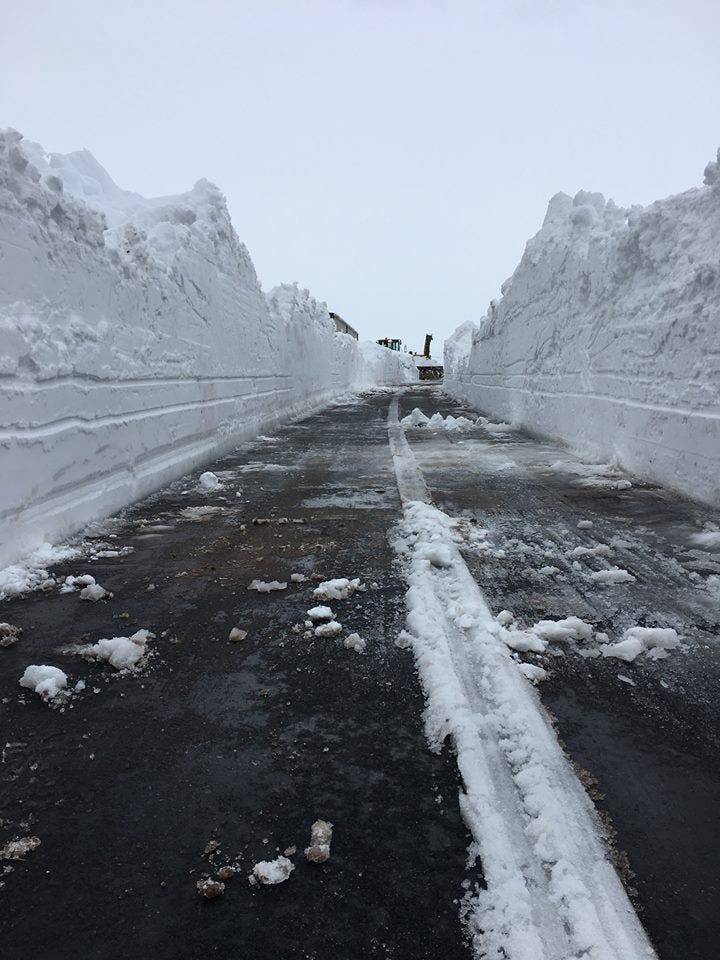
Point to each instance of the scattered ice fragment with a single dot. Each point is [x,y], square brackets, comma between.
[549,571]
[262,587]
[339,589]
[271,871]
[298,577]
[355,642]
[79,686]
[208,481]
[16,849]
[236,635]
[226,873]
[623,485]
[505,617]
[320,613]
[625,679]
[331,629]
[584,524]
[320,840]
[44,680]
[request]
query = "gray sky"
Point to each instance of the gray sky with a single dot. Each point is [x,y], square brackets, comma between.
[393,156]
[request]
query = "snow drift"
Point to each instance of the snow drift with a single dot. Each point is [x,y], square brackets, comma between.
[136,342]
[608,336]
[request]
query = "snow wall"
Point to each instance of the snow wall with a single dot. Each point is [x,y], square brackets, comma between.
[136,343]
[607,336]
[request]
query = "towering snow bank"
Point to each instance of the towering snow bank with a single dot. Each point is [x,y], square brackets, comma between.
[608,336]
[136,343]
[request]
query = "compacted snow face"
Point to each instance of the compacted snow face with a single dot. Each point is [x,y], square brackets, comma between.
[608,336]
[136,342]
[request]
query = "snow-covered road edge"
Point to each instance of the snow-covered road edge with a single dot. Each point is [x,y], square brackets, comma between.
[552,891]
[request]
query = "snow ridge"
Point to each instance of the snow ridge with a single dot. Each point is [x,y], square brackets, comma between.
[136,343]
[552,891]
[607,336]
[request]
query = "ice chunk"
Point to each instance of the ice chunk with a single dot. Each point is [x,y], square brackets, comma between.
[355,642]
[93,591]
[44,680]
[271,871]
[9,634]
[331,629]
[262,587]
[655,641]
[123,653]
[339,589]
[18,848]
[209,888]
[415,419]
[571,628]
[320,613]
[236,635]
[209,481]
[320,840]
[613,575]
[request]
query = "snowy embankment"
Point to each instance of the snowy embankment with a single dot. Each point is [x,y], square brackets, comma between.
[608,336]
[136,343]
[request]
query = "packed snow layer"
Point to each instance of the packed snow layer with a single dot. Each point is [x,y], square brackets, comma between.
[136,343]
[608,336]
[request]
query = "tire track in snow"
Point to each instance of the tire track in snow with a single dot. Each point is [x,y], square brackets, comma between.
[552,892]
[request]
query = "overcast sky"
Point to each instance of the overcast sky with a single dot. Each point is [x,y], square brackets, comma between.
[391,155]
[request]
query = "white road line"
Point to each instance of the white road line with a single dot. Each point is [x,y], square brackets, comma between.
[552,892]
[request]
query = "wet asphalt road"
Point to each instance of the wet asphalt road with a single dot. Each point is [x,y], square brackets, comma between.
[246,743]
[249,743]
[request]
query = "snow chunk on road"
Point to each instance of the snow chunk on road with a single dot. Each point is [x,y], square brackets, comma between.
[600,550]
[331,629]
[613,575]
[320,613]
[571,628]
[93,591]
[654,641]
[355,642]
[339,589]
[262,587]
[271,871]
[415,419]
[209,481]
[44,680]
[72,584]
[123,653]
